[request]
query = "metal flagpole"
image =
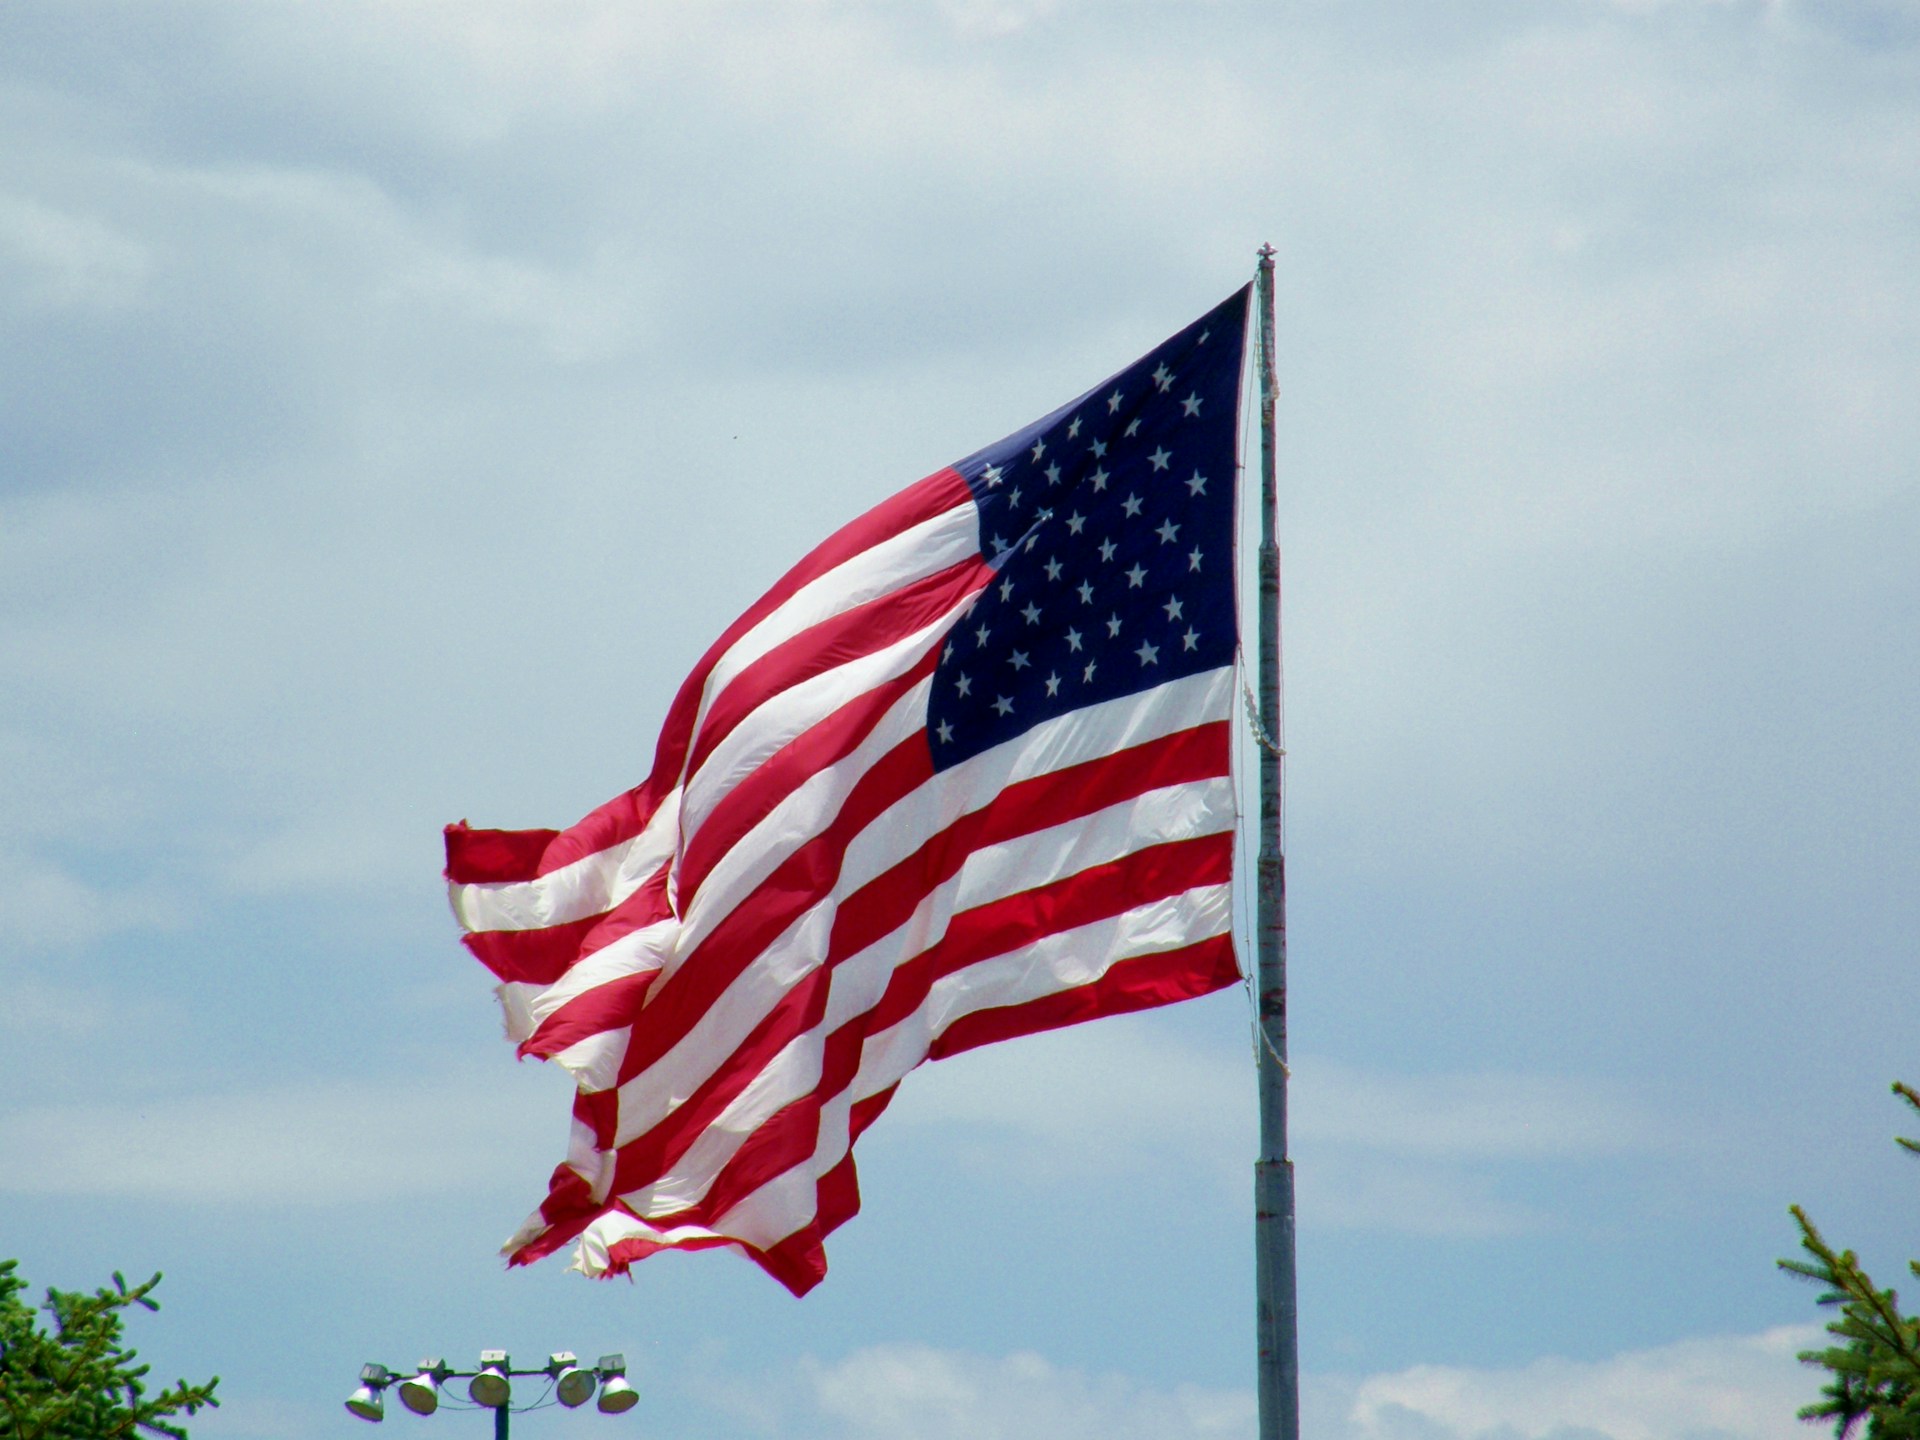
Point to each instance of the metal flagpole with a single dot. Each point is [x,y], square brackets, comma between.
[1276,1306]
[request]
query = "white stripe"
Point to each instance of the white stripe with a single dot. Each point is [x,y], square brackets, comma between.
[995,872]
[800,815]
[1164,815]
[915,553]
[1091,733]
[594,1062]
[789,1201]
[638,950]
[649,1097]
[1061,961]
[590,885]
[590,1256]
[775,1210]
[792,1073]
[720,1029]
[789,714]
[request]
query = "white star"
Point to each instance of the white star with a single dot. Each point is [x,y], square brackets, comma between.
[1149,654]
[1089,671]
[1167,531]
[1158,459]
[1019,660]
[1191,639]
[1099,477]
[1076,522]
[1039,448]
[991,475]
[1099,449]
[946,733]
[1013,497]
[1053,683]
[1053,567]
[1073,428]
[1032,540]
[1163,377]
[962,685]
[1135,576]
[1133,429]
[1006,589]
[1032,612]
[1073,639]
[1196,484]
[979,634]
[1191,405]
[998,543]
[1113,627]
[1086,593]
[1107,547]
[1172,607]
[1203,337]
[1003,705]
[1131,505]
[1053,474]
[1113,402]
[1193,558]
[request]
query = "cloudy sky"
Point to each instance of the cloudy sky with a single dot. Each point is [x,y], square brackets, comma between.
[397,397]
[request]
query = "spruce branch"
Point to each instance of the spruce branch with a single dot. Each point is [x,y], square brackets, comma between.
[1875,1373]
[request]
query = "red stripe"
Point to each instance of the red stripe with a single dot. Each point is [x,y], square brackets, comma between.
[646,1158]
[609,1005]
[542,956]
[1004,926]
[838,640]
[799,760]
[626,815]
[799,1262]
[795,886]
[530,957]
[1096,893]
[1128,985]
[486,857]
[887,901]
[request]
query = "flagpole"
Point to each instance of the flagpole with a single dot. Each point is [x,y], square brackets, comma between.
[1277,1315]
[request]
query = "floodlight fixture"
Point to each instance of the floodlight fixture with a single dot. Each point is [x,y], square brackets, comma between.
[572,1386]
[491,1387]
[421,1393]
[366,1402]
[616,1395]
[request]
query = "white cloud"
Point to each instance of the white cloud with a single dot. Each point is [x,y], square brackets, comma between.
[1727,1387]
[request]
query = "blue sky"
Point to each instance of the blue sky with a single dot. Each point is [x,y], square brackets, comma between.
[398,397]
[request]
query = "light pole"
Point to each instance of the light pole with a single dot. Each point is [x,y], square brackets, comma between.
[490,1387]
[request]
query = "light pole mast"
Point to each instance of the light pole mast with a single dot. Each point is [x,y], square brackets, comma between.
[1276,1307]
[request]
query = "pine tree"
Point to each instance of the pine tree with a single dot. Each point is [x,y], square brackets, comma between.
[1876,1371]
[74,1380]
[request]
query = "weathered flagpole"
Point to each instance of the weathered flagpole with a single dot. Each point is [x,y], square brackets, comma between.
[1277,1312]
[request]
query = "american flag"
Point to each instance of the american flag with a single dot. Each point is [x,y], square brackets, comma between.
[962,774]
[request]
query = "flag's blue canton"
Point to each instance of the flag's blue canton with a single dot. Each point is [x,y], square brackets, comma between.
[1110,524]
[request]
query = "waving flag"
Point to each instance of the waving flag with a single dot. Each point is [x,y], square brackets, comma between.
[961,775]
